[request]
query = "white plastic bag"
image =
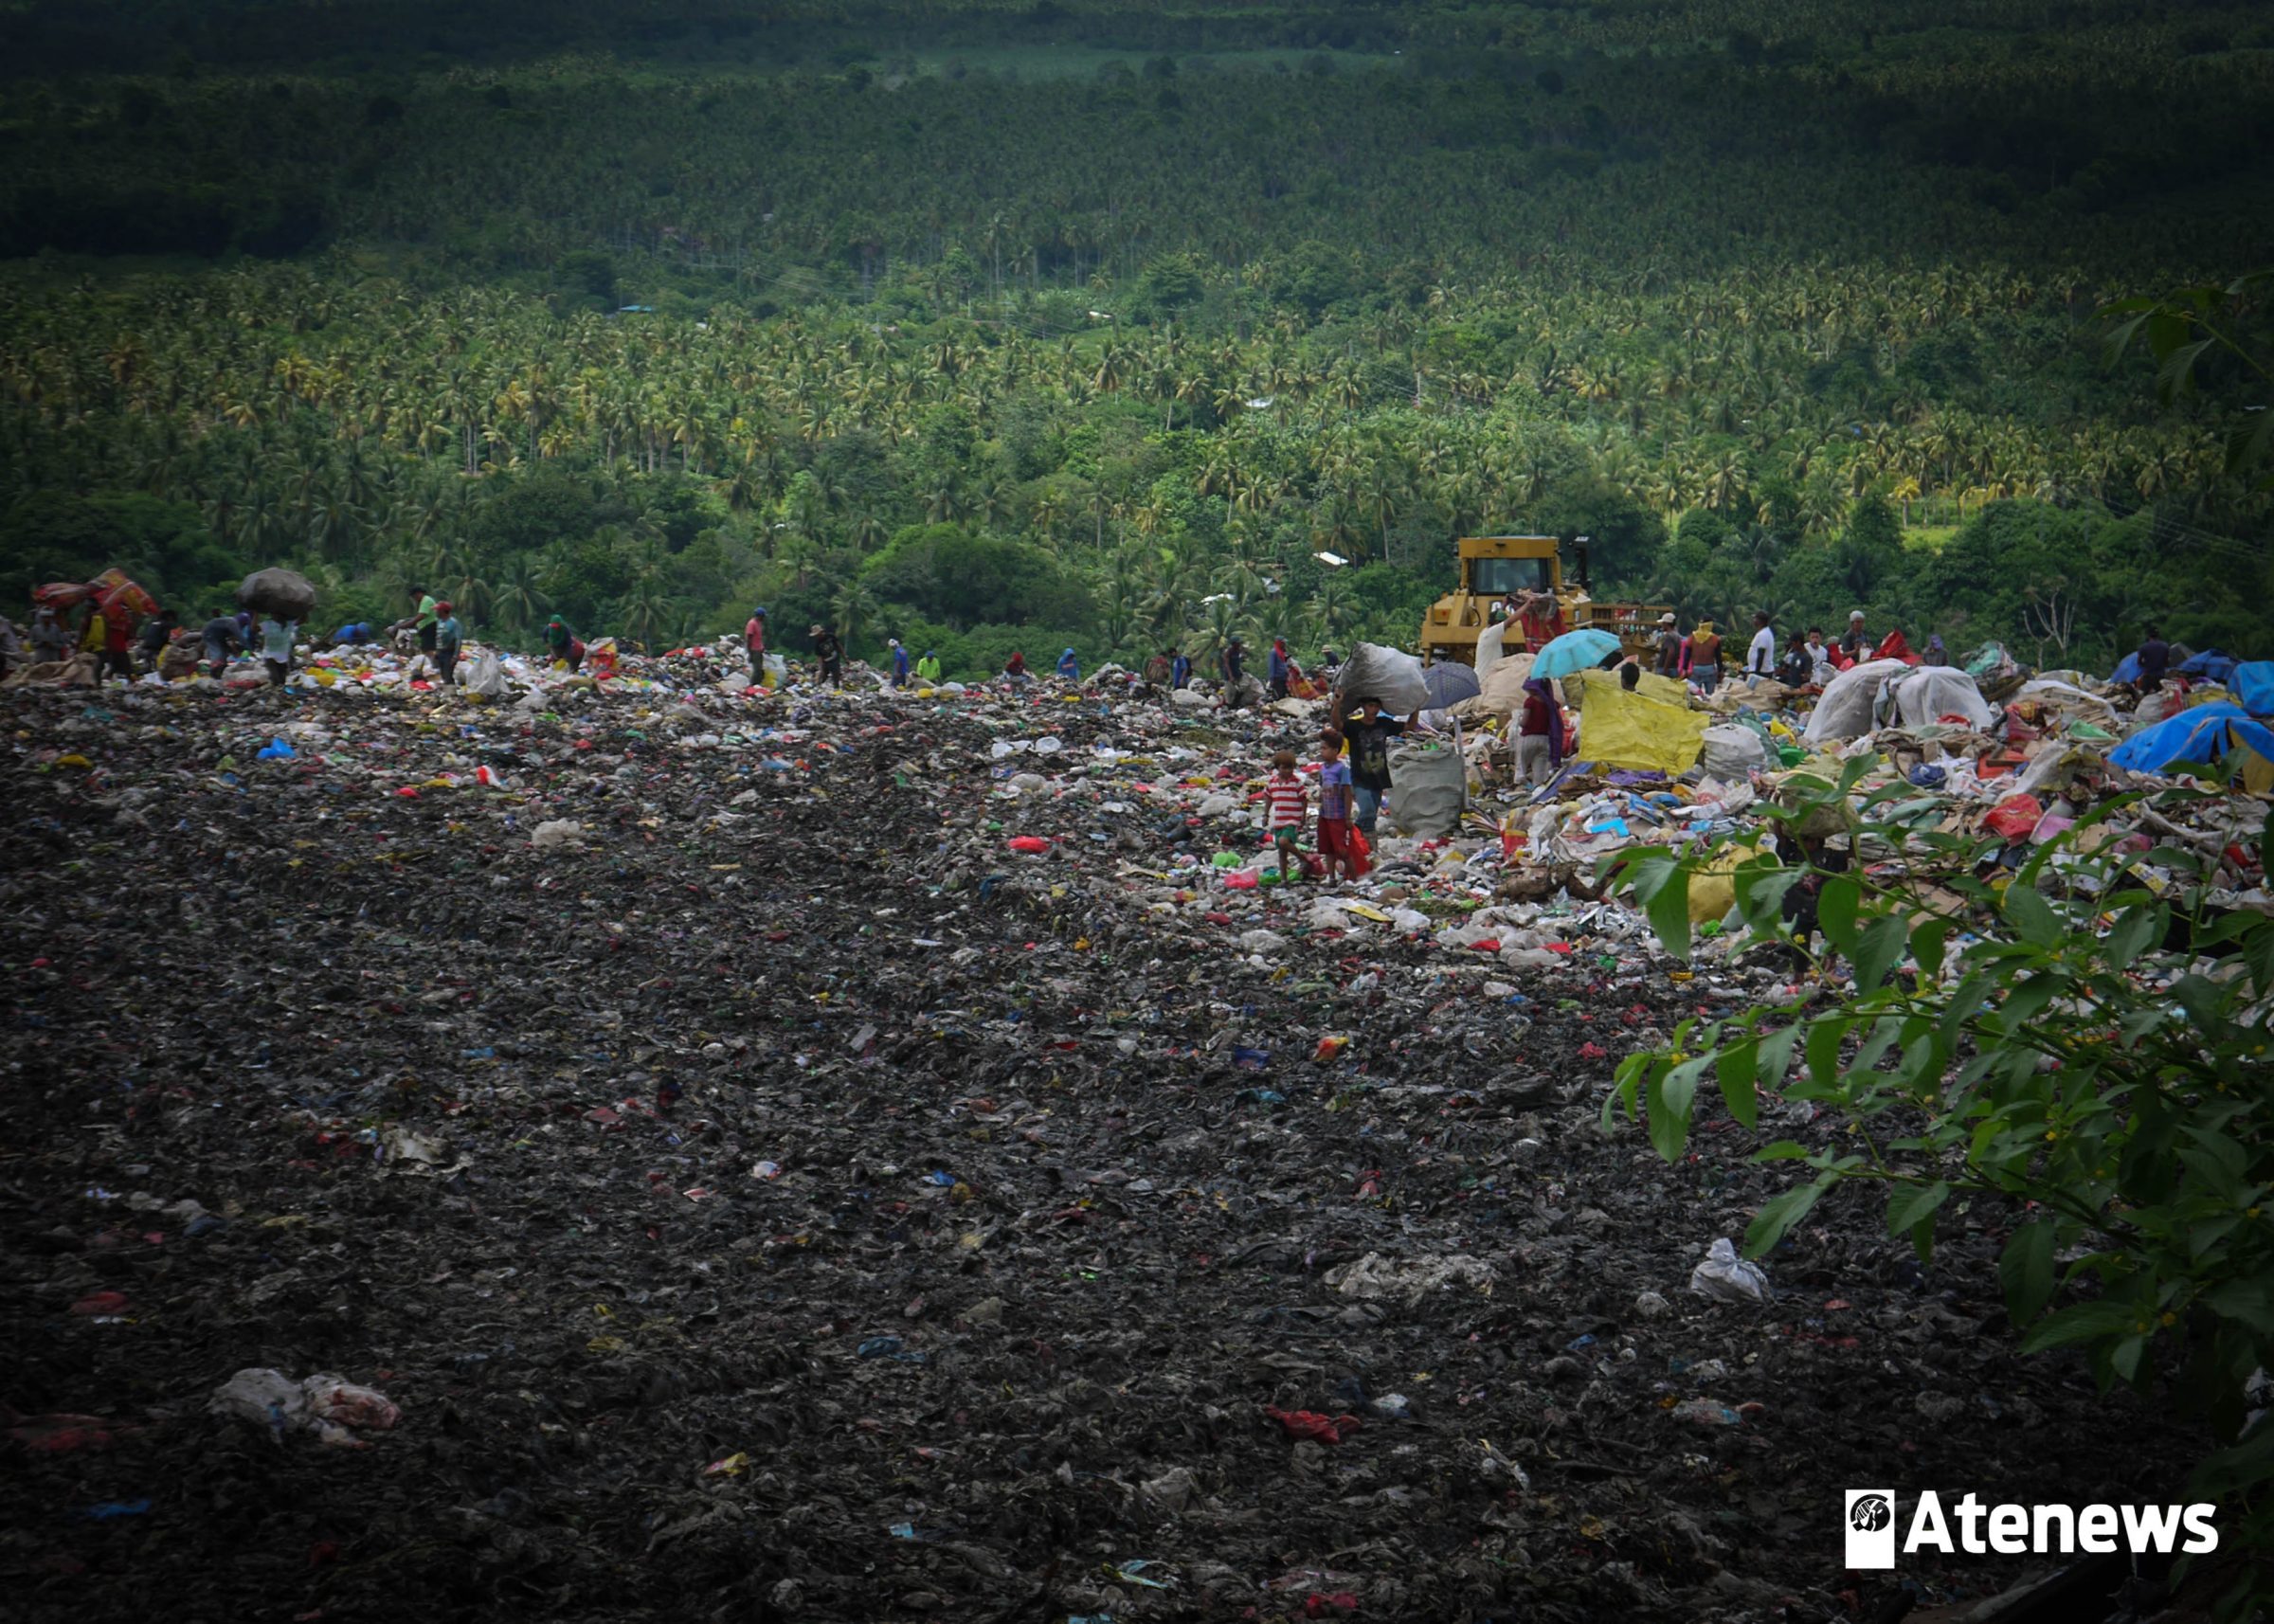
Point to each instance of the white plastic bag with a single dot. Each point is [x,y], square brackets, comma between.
[1724,1276]
[483,675]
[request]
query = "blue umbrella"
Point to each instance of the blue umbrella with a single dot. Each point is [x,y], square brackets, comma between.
[1574,651]
[1450,682]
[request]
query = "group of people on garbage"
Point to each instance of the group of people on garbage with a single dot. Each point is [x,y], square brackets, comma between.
[1699,655]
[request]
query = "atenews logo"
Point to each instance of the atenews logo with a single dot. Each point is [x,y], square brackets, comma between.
[1872,1517]
[1871,1527]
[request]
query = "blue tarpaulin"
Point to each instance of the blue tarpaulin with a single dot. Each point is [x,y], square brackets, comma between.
[2253,684]
[2204,732]
[2209,666]
[2127,669]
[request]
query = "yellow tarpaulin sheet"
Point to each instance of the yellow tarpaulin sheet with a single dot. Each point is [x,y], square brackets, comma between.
[1637,730]
[2255,771]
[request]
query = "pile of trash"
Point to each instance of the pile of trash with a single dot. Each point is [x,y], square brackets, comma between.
[890,1152]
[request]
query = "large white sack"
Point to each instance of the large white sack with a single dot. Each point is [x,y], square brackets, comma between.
[1732,750]
[1844,710]
[1429,790]
[1930,692]
[1491,647]
[1384,674]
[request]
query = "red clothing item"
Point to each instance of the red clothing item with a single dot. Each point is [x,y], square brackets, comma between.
[1537,723]
[1288,802]
[753,636]
[1541,630]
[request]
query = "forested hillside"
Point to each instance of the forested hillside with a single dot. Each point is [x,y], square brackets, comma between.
[1053,324]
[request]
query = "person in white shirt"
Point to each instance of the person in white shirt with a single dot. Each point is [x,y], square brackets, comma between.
[1761,657]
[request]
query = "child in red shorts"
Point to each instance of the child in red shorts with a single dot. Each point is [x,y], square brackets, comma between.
[1337,848]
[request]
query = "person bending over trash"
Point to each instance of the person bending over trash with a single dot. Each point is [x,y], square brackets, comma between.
[560,642]
[1287,808]
[928,669]
[1015,668]
[1070,669]
[221,641]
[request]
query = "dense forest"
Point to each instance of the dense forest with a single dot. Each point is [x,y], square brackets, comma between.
[1018,326]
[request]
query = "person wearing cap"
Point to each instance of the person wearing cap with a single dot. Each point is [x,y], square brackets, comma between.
[829,652]
[1669,646]
[928,669]
[1705,658]
[449,636]
[900,665]
[1855,646]
[753,643]
[1070,669]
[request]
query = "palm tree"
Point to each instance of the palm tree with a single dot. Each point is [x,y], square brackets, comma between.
[852,607]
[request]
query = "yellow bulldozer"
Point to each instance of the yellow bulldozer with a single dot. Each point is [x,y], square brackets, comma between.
[1527,572]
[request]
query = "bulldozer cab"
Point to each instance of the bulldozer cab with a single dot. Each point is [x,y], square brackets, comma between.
[1503,577]
[1492,567]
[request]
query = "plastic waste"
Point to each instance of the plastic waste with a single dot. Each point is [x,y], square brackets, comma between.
[1724,1276]
[331,1407]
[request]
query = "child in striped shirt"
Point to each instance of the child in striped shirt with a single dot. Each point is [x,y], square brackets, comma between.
[1288,808]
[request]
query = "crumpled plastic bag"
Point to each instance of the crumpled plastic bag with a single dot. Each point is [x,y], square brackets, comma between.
[556,832]
[1374,1277]
[2016,817]
[483,675]
[1725,1277]
[325,1404]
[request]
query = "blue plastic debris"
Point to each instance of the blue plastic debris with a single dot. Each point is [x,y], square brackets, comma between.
[110,1508]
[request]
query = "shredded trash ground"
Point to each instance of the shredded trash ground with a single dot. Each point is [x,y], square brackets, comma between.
[753,1188]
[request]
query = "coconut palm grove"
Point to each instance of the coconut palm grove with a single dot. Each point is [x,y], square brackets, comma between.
[1095,324]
